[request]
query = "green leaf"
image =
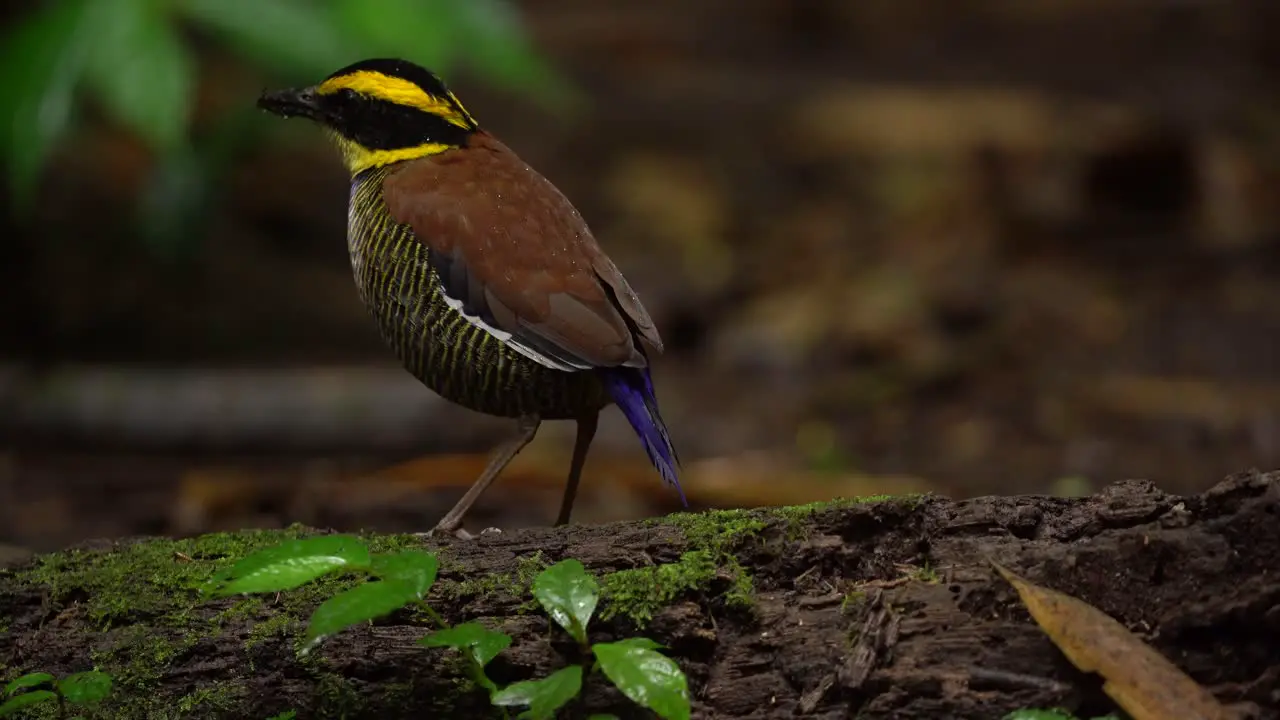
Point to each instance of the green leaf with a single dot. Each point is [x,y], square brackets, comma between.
[28,680]
[41,60]
[361,603]
[500,50]
[292,36]
[647,677]
[141,71]
[85,687]
[472,638]
[422,31]
[569,596]
[174,201]
[543,696]
[413,567]
[643,643]
[286,715]
[25,700]
[291,564]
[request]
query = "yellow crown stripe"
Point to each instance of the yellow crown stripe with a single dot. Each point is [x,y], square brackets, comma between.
[458,103]
[399,91]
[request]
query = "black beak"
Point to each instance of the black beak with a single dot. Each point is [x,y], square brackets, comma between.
[301,102]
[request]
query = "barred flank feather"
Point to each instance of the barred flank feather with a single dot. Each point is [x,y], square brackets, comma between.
[458,360]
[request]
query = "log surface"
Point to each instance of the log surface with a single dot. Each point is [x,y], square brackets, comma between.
[883,609]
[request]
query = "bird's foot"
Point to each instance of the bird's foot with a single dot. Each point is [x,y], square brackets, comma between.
[459,533]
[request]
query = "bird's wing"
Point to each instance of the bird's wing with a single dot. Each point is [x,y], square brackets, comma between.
[514,255]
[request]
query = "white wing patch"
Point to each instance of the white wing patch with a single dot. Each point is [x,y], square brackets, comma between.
[509,340]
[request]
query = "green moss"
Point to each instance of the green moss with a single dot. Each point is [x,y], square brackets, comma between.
[143,611]
[456,690]
[527,568]
[807,510]
[210,700]
[796,515]
[244,608]
[924,573]
[640,593]
[138,656]
[852,602]
[717,530]
[146,578]
[395,695]
[742,592]
[714,537]
[482,586]
[518,584]
[339,698]
[395,542]
[277,626]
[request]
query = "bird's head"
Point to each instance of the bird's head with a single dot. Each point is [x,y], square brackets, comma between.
[380,112]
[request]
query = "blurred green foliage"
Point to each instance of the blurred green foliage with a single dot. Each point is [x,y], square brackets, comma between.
[137,60]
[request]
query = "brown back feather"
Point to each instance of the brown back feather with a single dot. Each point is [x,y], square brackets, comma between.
[523,253]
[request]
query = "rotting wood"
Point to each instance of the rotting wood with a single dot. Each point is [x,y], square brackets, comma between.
[880,609]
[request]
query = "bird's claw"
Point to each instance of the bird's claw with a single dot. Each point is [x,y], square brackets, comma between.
[459,533]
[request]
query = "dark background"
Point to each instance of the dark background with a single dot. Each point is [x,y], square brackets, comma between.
[894,245]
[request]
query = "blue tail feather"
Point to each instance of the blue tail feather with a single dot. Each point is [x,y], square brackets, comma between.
[632,390]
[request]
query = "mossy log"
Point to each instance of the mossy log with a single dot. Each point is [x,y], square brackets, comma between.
[877,609]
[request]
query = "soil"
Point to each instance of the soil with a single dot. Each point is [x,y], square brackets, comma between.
[875,609]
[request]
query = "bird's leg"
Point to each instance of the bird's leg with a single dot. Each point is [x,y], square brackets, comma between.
[452,521]
[586,431]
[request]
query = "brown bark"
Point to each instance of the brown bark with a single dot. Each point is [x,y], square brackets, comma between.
[876,610]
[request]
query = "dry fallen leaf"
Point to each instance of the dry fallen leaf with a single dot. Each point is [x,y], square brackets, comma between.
[1141,681]
[623,486]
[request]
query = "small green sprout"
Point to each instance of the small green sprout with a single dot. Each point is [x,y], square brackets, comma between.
[78,689]
[566,591]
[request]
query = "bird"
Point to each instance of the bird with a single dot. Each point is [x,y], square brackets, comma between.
[481,276]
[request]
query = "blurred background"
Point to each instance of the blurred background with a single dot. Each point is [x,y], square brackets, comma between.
[892,245]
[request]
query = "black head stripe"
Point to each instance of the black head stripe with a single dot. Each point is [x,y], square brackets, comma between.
[382,125]
[404,69]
